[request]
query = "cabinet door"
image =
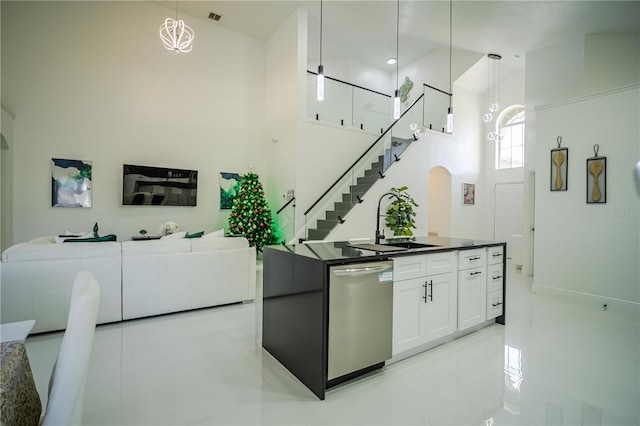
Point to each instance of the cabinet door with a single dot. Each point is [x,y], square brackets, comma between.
[441,305]
[408,314]
[472,297]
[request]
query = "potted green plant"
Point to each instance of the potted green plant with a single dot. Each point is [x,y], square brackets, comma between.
[400,214]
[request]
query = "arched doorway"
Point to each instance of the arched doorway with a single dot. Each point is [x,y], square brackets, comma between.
[439,202]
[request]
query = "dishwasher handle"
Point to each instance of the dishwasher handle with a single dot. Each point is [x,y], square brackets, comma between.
[364,270]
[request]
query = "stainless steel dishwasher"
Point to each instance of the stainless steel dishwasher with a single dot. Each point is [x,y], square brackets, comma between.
[360,317]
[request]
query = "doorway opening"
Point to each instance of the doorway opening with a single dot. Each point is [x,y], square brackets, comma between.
[439,202]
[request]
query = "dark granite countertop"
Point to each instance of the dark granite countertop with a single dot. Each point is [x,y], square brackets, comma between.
[344,251]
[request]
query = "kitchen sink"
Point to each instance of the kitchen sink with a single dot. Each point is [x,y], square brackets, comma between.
[409,244]
[390,247]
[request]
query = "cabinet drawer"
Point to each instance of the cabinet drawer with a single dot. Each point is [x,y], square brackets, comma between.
[495,279]
[407,267]
[495,255]
[494,304]
[471,258]
[478,274]
[441,263]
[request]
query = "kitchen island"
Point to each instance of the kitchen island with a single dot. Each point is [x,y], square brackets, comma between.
[443,288]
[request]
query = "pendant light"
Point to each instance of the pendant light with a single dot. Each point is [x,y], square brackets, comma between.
[494,101]
[320,76]
[396,98]
[450,110]
[176,35]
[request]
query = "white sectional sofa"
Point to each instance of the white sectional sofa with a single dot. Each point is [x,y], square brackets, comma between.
[137,278]
[165,276]
[37,276]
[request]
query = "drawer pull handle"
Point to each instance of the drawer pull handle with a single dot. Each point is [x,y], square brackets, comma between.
[496,304]
[498,277]
[497,254]
[475,273]
[474,258]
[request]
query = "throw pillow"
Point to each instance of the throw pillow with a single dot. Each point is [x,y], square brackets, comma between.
[195,235]
[110,237]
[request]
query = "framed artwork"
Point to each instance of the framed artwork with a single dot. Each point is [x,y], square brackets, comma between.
[468,193]
[70,183]
[596,178]
[229,187]
[559,165]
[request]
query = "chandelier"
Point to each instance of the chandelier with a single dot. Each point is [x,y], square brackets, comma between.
[176,35]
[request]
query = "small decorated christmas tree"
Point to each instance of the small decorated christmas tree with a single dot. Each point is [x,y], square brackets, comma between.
[250,214]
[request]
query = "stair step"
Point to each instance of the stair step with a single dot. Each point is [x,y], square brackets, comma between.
[333,214]
[344,206]
[373,171]
[326,224]
[351,198]
[368,179]
[315,234]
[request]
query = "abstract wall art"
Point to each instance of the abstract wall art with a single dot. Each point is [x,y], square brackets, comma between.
[70,183]
[229,187]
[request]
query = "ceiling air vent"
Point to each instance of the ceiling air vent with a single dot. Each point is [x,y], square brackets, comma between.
[214,16]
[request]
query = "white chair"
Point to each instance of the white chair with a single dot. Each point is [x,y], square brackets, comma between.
[67,382]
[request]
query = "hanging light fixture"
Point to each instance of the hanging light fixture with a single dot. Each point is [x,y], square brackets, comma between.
[493,92]
[493,79]
[320,77]
[176,35]
[450,110]
[396,97]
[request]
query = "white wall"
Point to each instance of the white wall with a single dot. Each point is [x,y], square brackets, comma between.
[590,250]
[284,69]
[566,70]
[91,81]
[433,68]
[6,176]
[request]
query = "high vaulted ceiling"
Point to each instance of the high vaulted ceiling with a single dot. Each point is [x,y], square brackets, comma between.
[366,30]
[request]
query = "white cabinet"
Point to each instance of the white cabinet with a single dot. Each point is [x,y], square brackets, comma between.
[424,299]
[472,302]
[472,287]
[495,281]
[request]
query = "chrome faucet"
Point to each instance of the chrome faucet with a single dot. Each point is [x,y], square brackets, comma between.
[380,235]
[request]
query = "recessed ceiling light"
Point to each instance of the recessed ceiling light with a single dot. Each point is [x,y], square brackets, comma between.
[391,61]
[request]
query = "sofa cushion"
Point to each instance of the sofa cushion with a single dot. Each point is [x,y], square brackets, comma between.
[215,234]
[174,236]
[227,243]
[161,246]
[45,248]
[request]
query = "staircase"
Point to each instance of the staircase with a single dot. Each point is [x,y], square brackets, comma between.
[356,192]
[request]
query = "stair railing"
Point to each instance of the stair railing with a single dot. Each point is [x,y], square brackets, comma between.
[436,104]
[285,221]
[348,104]
[346,183]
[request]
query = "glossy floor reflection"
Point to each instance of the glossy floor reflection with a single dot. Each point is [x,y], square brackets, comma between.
[553,364]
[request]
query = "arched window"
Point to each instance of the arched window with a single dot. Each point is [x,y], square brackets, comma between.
[510,143]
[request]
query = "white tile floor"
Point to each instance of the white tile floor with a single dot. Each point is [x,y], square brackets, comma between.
[553,364]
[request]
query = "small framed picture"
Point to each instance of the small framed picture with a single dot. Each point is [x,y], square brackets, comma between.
[596,180]
[559,164]
[468,193]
